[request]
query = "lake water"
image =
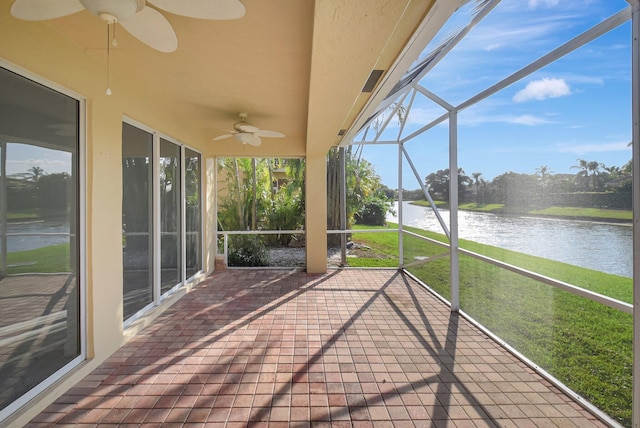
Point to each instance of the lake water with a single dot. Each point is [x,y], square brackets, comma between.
[31,235]
[607,247]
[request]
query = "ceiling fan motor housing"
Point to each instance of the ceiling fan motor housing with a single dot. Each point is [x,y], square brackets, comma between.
[113,10]
[243,125]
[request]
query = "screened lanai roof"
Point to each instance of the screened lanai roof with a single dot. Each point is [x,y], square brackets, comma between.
[446,39]
[506,87]
[479,52]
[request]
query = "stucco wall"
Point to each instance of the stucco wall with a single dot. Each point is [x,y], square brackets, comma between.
[34,50]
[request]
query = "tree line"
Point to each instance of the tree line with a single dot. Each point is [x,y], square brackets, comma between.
[37,191]
[593,185]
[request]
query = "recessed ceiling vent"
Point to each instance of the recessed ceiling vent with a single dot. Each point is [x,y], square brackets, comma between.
[342,132]
[372,81]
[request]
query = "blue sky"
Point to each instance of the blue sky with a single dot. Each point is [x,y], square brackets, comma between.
[22,157]
[578,107]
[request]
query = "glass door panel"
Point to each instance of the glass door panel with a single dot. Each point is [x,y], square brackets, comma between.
[137,218]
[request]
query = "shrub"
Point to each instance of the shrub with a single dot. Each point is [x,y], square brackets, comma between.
[374,211]
[247,250]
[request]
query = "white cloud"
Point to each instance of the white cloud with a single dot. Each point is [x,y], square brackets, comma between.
[548,3]
[581,149]
[529,120]
[543,89]
[50,166]
[525,119]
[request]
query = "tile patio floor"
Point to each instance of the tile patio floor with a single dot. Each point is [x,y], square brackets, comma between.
[353,348]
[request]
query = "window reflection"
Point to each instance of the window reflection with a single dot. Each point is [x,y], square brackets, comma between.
[39,299]
[137,238]
[170,212]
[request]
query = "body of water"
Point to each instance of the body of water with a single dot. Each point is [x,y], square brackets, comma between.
[607,247]
[31,235]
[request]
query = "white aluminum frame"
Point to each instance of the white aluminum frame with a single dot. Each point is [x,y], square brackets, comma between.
[635,143]
[158,296]
[630,13]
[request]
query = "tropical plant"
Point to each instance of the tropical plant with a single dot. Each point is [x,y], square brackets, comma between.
[364,190]
[476,180]
[588,174]
[261,194]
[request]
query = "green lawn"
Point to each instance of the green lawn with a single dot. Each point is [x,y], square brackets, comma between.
[586,345]
[27,214]
[51,259]
[588,213]
[472,206]
[569,212]
[425,203]
[383,252]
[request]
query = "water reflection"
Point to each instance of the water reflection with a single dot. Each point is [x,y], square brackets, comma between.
[23,236]
[606,247]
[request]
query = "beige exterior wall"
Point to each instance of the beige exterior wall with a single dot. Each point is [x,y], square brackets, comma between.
[40,54]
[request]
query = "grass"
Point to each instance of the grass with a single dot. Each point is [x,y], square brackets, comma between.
[559,212]
[27,214]
[383,252]
[585,345]
[587,213]
[51,259]
[425,203]
[472,206]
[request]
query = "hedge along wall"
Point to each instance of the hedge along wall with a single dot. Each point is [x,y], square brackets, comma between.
[589,199]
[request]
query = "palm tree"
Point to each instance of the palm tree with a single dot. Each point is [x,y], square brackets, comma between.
[36,172]
[584,170]
[594,168]
[476,179]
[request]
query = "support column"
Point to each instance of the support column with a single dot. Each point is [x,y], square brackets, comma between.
[316,213]
[453,210]
[400,219]
[635,112]
[210,223]
[343,206]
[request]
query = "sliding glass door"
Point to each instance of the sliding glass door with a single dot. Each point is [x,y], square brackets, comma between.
[137,219]
[161,218]
[39,236]
[170,215]
[193,212]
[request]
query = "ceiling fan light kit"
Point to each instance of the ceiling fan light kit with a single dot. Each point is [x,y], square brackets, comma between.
[244,137]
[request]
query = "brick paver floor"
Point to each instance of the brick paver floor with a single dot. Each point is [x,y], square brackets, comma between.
[352,348]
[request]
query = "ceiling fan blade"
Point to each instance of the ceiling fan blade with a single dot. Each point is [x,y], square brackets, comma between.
[152,29]
[254,140]
[269,134]
[222,137]
[39,10]
[204,9]
[246,127]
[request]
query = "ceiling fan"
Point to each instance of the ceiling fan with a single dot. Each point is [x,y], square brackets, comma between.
[246,133]
[143,22]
